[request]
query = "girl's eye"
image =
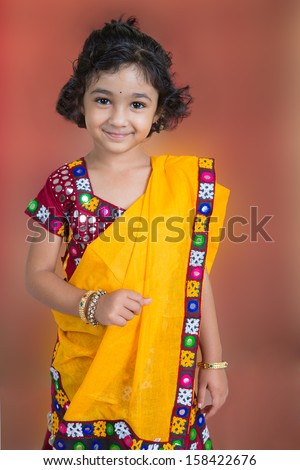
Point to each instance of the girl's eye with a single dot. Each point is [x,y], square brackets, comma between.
[137,105]
[102,101]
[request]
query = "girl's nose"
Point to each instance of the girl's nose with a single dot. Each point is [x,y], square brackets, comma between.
[118,117]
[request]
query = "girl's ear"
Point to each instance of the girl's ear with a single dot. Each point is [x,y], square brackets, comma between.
[158,125]
[156,117]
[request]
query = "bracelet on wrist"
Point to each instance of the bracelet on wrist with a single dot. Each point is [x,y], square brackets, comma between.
[92,305]
[88,305]
[82,305]
[213,365]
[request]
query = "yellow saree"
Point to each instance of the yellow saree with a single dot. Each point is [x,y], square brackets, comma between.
[132,387]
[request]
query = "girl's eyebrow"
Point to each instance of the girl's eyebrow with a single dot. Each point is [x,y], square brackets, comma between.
[141,95]
[110,93]
[101,90]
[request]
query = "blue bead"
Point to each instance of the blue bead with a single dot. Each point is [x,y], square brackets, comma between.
[182,412]
[97,445]
[88,429]
[60,445]
[79,171]
[200,420]
[205,208]
[192,306]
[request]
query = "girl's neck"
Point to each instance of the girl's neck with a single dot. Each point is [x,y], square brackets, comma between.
[134,159]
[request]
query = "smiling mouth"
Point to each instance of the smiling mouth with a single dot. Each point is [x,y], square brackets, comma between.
[117,135]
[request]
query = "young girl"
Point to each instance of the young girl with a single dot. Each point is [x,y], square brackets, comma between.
[142,233]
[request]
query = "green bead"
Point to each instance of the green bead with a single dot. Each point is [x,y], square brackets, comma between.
[114,447]
[33,205]
[56,385]
[84,198]
[79,446]
[193,434]
[110,429]
[177,442]
[189,341]
[208,444]
[199,240]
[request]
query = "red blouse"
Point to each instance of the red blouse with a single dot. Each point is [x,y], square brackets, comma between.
[67,207]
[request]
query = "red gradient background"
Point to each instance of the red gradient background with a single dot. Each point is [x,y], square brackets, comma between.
[241,61]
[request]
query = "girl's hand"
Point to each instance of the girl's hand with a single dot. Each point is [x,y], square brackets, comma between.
[215,380]
[119,307]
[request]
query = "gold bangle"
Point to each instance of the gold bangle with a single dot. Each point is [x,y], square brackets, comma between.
[90,314]
[82,305]
[212,365]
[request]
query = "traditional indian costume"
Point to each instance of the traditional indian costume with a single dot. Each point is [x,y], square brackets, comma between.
[133,387]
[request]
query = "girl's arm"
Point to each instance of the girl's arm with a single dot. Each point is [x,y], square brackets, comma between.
[115,308]
[214,380]
[44,284]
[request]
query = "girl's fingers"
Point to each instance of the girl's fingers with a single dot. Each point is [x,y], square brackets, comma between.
[126,314]
[217,402]
[202,386]
[215,382]
[131,294]
[129,313]
[121,307]
[208,411]
[211,410]
[133,306]
[119,321]
[201,395]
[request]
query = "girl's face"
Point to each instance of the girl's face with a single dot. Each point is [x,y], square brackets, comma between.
[119,110]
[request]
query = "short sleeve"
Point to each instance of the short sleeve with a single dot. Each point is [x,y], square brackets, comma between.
[45,210]
[216,223]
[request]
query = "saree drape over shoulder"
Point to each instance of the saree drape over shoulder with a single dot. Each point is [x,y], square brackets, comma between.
[132,387]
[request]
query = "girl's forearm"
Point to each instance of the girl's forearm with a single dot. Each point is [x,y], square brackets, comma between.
[49,289]
[210,342]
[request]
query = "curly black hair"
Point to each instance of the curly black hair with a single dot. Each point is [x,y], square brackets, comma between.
[120,43]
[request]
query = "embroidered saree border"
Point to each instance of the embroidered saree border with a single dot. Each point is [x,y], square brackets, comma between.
[187,426]
[181,431]
[108,434]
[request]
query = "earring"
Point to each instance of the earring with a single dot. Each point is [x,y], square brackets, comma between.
[157,126]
